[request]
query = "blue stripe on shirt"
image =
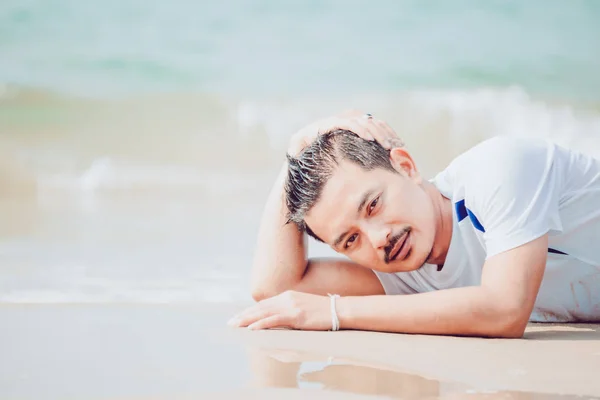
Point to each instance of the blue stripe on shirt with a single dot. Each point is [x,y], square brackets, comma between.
[463,212]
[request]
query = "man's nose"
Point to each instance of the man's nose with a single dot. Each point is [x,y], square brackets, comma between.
[379,236]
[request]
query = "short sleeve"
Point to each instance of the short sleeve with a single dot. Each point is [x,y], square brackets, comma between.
[514,190]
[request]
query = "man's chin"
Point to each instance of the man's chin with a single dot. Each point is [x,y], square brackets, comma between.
[394,267]
[409,268]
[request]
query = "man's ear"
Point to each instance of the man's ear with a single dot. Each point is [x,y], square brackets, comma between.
[403,163]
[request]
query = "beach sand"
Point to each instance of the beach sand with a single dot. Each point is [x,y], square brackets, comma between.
[126,351]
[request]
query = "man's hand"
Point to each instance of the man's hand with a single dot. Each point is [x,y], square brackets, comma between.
[363,124]
[290,309]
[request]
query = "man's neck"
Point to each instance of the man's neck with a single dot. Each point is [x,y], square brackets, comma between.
[443,214]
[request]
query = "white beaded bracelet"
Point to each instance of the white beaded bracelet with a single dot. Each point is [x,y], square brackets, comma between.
[335,322]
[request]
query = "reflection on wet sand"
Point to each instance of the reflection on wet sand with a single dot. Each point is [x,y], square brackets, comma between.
[283,368]
[278,368]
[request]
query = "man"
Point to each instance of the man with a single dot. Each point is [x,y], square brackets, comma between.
[507,233]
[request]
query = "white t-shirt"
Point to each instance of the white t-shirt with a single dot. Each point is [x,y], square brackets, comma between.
[507,192]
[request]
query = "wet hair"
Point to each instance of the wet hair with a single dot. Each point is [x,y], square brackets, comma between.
[309,172]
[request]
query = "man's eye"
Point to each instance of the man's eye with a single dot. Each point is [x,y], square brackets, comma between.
[350,241]
[373,205]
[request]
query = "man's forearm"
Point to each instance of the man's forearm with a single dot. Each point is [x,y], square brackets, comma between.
[281,256]
[472,311]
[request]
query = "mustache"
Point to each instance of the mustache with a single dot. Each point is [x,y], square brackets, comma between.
[393,241]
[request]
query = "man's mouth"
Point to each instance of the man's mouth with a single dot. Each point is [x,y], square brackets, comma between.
[401,248]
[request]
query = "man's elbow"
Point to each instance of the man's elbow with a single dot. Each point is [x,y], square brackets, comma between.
[265,291]
[259,293]
[511,331]
[509,323]
[262,288]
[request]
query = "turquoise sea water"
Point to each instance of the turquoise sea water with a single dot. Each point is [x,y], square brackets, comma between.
[291,48]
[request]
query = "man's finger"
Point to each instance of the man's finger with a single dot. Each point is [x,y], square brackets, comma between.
[362,129]
[379,134]
[262,307]
[274,321]
[255,309]
[389,133]
[251,317]
[396,143]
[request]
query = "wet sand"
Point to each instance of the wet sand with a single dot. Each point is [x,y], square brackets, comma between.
[117,351]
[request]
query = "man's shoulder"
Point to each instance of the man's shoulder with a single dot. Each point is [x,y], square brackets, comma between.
[495,160]
[499,169]
[503,151]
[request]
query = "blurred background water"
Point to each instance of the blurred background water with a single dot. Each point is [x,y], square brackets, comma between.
[138,140]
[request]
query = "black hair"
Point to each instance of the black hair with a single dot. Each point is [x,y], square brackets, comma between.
[309,171]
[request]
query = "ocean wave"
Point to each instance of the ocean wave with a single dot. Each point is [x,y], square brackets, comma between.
[460,117]
[104,174]
[218,145]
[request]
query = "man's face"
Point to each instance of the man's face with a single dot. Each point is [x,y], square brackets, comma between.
[380,219]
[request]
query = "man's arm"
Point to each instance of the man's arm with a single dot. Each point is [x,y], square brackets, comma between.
[280,258]
[500,307]
[281,262]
